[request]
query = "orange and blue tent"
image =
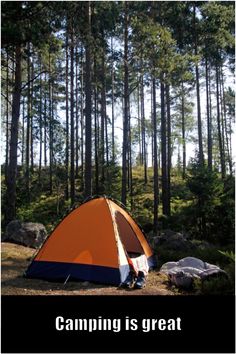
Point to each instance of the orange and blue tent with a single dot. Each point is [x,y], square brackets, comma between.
[92,244]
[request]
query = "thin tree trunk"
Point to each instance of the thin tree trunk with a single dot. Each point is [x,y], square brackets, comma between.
[23,135]
[28,125]
[163,152]
[31,121]
[183,130]
[67,118]
[222,159]
[40,126]
[82,120]
[112,105]
[130,162]
[12,166]
[200,144]
[88,118]
[76,116]
[50,84]
[139,130]
[155,162]
[125,118]
[96,131]
[168,148]
[225,124]
[7,120]
[72,130]
[103,113]
[209,128]
[45,123]
[143,125]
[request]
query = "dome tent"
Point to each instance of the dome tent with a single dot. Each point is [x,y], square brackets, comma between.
[92,244]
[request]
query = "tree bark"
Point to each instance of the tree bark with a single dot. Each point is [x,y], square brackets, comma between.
[28,126]
[82,120]
[155,163]
[12,167]
[163,152]
[72,128]
[88,118]
[200,144]
[209,127]
[7,120]
[224,122]
[40,127]
[143,128]
[76,115]
[112,105]
[221,148]
[45,123]
[183,130]
[168,147]
[125,117]
[67,118]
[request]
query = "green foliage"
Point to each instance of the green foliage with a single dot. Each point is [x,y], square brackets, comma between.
[208,190]
[229,254]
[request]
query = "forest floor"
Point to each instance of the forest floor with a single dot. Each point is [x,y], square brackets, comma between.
[16,258]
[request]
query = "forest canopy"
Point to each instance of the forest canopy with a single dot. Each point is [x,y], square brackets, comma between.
[134,100]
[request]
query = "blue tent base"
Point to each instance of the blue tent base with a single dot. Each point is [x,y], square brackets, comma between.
[60,271]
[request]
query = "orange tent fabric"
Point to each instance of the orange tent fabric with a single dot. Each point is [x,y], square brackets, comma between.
[91,243]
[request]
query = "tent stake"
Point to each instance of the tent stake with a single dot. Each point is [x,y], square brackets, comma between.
[66,279]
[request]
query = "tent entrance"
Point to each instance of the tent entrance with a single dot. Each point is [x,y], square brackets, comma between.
[127,235]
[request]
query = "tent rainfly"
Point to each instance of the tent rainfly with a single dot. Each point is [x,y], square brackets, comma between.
[92,244]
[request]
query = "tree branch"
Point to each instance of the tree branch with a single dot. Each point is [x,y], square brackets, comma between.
[6,98]
[34,78]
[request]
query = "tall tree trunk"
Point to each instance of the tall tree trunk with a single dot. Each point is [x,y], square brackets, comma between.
[112,105]
[45,123]
[168,147]
[163,152]
[50,85]
[221,148]
[224,122]
[96,131]
[82,120]
[200,144]
[23,134]
[103,118]
[139,128]
[72,128]
[28,125]
[67,118]
[31,120]
[7,119]
[76,115]
[143,127]
[40,126]
[209,128]
[183,130]
[130,162]
[125,117]
[12,166]
[88,118]
[155,163]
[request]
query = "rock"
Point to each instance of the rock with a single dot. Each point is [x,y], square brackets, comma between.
[27,233]
[173,241]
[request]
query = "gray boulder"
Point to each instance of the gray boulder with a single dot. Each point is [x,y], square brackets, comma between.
[26,233]
[174,241]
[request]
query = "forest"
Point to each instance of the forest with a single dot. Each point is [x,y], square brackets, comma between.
[133,100]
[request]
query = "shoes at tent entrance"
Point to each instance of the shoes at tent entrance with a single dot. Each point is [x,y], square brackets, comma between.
[141,281]
[129,281]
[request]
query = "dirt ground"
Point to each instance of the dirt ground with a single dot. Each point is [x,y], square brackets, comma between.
[16,258]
